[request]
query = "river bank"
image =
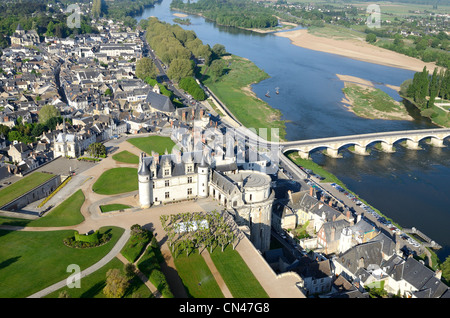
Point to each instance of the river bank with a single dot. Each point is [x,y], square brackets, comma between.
[354,48]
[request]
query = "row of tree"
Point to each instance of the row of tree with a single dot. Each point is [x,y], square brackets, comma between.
[424,88]
[189,231]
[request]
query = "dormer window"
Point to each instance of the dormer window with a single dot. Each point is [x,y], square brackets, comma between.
[166,172]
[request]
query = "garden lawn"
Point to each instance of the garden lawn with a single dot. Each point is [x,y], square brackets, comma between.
[157,144]
[91,286]
[237,276]
[116,180]
[126,157]
[33,261]
[113,207]
[66,214]
[23,186]
[193,270]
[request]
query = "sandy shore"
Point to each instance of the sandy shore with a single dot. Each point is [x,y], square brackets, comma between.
[355,49]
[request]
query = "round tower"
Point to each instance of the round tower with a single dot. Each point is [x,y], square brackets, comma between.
[203,172]
[144,183]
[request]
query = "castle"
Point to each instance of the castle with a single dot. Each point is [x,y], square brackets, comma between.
[245,194]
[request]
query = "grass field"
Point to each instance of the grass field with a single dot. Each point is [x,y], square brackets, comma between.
[22,186]
[116,180]
[126,157]
[237,276]
[36,260]
[113,207]
[196,276]
[65,214]
[233,89]
[157,144]
[91,286]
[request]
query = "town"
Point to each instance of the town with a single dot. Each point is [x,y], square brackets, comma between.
[63,99]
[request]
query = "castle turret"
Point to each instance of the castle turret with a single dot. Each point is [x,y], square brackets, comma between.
[144,183]
[203,171]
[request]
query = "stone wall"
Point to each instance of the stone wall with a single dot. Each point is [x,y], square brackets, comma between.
[40,192]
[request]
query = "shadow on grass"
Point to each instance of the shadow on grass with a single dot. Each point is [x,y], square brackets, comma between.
[9,261]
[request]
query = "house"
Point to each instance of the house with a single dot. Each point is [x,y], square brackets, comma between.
[19,151]
[317,275]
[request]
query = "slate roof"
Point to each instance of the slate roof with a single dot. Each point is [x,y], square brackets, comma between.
[362,254]
[160,102]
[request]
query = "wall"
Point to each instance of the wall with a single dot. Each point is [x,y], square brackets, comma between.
[40,192]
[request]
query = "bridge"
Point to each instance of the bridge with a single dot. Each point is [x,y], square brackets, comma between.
[386,140]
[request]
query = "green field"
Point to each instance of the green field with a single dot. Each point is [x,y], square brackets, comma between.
[22,186]
[65,214]
[233,89]
[91,286]
[239,279]
[196,276]
[33,261]
[116,180]
[126,157]
[157,144]
[113,207]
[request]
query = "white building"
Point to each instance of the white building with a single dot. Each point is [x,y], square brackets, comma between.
[247,195]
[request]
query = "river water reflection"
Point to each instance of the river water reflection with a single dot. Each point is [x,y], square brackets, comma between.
[410,187]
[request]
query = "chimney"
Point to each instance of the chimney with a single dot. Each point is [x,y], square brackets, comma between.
[183,116]
[201,113]
[438,274]
[333,233]
[330,203]
[290,195]
[311,191]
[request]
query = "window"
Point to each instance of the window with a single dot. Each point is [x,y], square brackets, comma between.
[189,179]
[166,172]
[189,169]
[167,195]
[189,191]
[167,183]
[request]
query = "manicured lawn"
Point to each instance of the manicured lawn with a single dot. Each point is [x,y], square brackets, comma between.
[196,276]
[31,261]
[126,157]
[116,180]
[239,279]
[157,144]
[65,214]
[113,207]
[93,284]
[22,186]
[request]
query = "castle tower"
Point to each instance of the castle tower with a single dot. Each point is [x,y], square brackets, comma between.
[144,183]
[203,172]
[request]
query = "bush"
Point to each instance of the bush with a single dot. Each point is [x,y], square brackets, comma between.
[190,85]
[87,241]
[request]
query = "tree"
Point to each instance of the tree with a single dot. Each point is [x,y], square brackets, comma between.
[219,49]
[216,69]
[371,37]
[180,68]
[146,68]
[116,284]
[97,149]
[47,112]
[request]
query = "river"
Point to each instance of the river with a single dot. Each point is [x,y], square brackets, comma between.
[411,187]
